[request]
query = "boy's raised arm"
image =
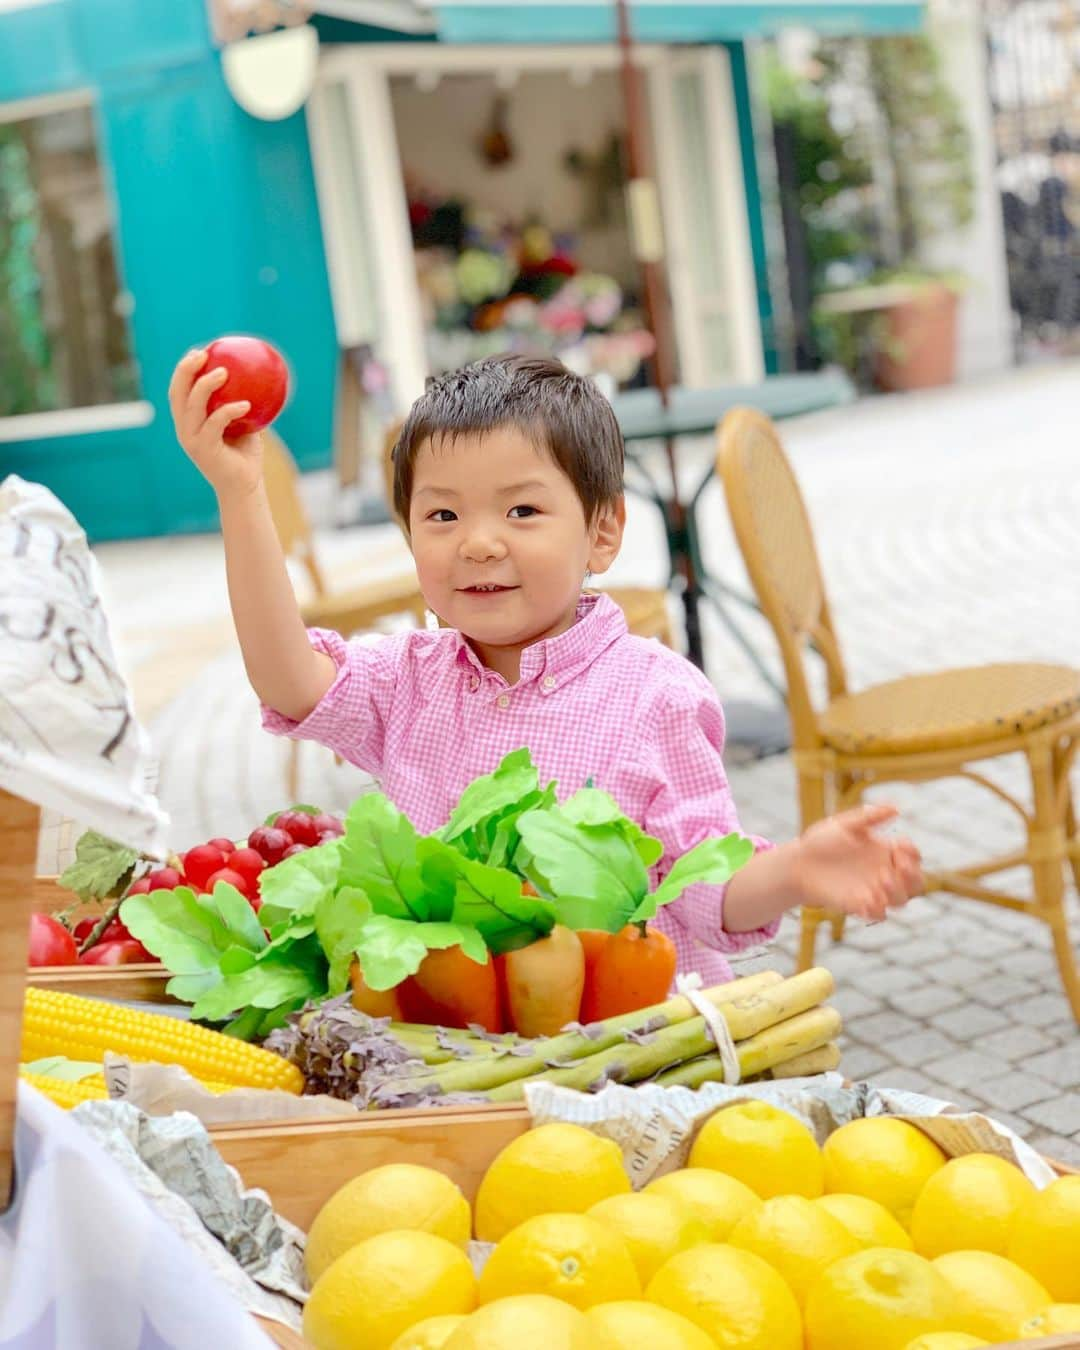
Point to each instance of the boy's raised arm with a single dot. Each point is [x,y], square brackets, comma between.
[285,671]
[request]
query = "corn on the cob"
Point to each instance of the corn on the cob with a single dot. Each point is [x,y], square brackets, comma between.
[56,1023]
[67,1093]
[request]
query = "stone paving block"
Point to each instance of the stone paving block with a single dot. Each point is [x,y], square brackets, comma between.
[1060,1114]
[881,1028]
[927,999]
[967,1069]
[894,982]
[922,953]
[1041,1010]
[852,1004]
[862,1061]
[920,1047]
[969,1021]
[1032,961]
[1057,1148]
[910,1080]
[1062,1065]
[1006,990]
[1016,1090]
[1015,1043]
[962,971]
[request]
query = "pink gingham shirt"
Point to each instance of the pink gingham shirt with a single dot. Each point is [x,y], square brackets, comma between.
[422,714]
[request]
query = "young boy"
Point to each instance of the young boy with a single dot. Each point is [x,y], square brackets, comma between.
[509,476]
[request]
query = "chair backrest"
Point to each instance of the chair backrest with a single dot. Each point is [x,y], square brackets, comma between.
[777,543]
[287,508]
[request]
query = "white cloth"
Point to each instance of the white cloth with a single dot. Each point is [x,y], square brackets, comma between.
[87,1263]
[68,735]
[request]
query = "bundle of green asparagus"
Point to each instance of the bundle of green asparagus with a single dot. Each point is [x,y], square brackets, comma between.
[780,1028]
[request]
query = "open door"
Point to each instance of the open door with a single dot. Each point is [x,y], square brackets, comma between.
[710,266]
[365,220]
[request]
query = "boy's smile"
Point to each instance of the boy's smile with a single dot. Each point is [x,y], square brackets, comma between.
[501,542]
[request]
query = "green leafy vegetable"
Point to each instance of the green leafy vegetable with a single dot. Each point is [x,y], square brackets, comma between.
[339,922]
[492,794]
[598,863]
[490,901]
[280,977]
[714,861]
[297,885]
[392,949]
[101,868]
[379,854]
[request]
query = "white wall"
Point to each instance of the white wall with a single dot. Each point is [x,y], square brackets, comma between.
[548,114]
[985,337]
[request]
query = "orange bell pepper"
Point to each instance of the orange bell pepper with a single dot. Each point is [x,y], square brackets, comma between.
[544,982]
[452,990]
[593,942]
[374,1002]
[635,969]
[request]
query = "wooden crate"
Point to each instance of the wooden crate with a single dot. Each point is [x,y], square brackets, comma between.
[299,1164]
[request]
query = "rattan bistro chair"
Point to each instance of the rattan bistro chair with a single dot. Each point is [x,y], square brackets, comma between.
[915,729]
[646,609]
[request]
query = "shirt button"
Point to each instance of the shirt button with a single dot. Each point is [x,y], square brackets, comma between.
[503,700]
[549,681]
[474,684]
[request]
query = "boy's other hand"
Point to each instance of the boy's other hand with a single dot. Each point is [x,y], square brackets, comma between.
[844,865]
[232,468]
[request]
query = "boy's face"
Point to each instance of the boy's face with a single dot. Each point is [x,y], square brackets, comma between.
[501,542]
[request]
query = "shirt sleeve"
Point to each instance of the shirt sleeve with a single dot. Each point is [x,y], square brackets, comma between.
[692,801]
[351,717]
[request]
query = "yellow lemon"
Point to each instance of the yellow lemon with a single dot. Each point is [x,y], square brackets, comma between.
[945,1340]
[652,1226]
[769,1149]
[399,1195]
[733,1296]
[569,1256]
[632,1325]
[1046,1238]
[797,1238]
[865,1219]
[1055,1320]
[385,1285]
[884,1159]
[880,1298]
[969,1205]
[993,1297]
[719,1201]
[430,1334]
[527,1322]
[554,1168]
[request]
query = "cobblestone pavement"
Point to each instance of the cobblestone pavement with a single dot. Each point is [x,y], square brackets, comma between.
[949,531]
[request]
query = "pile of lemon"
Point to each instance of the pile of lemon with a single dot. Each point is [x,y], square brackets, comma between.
[764,1242]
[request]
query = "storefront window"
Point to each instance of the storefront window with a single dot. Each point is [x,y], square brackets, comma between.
[64,337]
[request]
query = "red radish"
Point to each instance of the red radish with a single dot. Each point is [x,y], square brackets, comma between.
[255,901]
[269,843]
[257,374]
[299,826]
[294,849]
[123,952]
[226,845]
[51,944]
[202,862]
[114,932]
[327,826]
[248,863]
[139,887]
[328,836]
[233,878]
[165,879]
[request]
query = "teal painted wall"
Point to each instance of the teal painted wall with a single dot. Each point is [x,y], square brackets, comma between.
[218,231]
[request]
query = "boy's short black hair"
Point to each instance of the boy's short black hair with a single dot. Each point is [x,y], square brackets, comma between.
[565,414]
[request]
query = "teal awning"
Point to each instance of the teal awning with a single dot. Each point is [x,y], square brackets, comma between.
[666,21]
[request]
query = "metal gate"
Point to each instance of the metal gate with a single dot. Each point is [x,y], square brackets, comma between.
[1034,56]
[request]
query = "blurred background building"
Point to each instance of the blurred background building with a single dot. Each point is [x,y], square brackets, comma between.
[386,189]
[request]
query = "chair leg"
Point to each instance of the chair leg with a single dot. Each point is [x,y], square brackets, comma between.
[844,783]
[1072,836]
[812,807]
[1046,843]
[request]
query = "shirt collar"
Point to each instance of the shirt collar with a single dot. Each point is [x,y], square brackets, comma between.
[599,623]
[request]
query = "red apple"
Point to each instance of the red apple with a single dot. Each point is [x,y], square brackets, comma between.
[51,944]
[257,374]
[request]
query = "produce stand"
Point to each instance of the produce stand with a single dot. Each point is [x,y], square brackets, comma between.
[299,1164]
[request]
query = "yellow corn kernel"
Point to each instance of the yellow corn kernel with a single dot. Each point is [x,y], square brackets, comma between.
[56,1023]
